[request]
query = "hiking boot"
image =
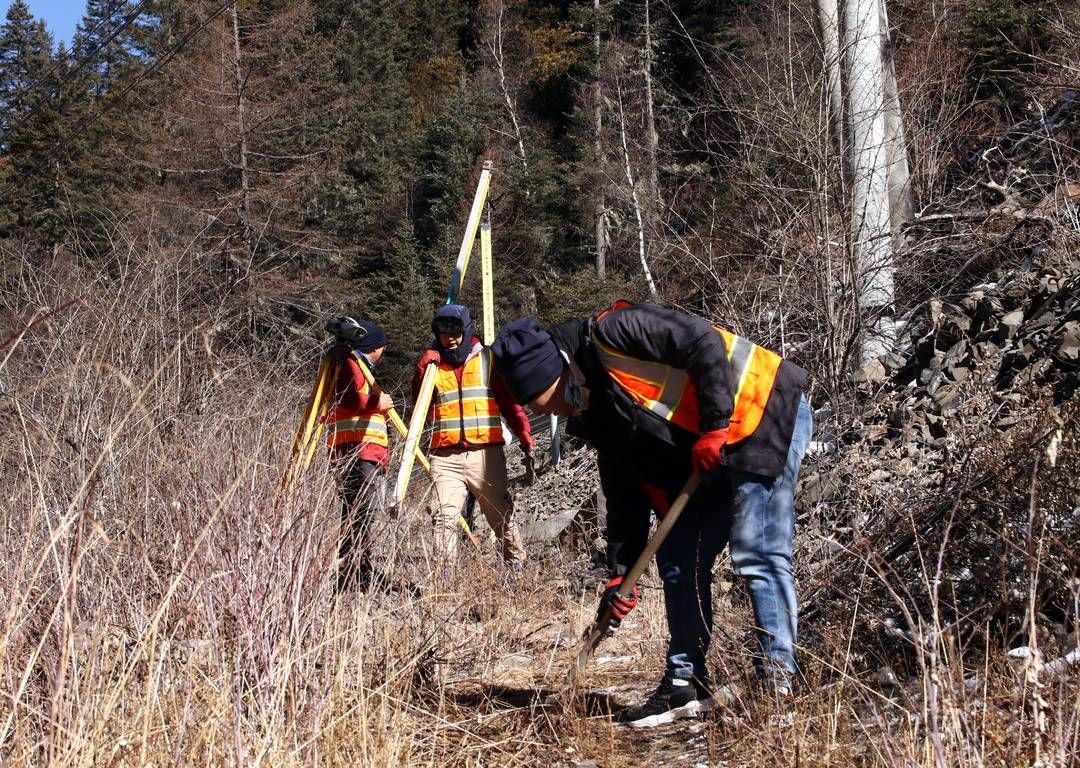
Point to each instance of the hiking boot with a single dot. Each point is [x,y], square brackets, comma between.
[779,686]
[776,698]
[673,700]
[513,578]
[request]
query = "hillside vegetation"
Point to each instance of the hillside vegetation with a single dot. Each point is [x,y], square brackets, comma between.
[191,188]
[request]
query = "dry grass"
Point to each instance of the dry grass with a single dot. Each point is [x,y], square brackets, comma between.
[160,610]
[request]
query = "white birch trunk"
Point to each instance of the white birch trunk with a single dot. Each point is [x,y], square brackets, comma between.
[635,199]
[900,204]
[871,223]
[829,29]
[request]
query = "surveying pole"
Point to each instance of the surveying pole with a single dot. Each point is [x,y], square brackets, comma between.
[427,386]
[487,280]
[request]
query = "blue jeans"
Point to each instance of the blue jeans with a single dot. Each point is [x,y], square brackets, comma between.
[756,515]
[762,529]
[685,561]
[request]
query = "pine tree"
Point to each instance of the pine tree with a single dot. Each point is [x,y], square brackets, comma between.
[111,39]
[241,129]
[408,138]
[402,300]
[91,162]
[25,47]
[1002,39]
[28,194]
[358,198]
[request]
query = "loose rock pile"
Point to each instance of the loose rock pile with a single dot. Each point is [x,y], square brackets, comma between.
[949,483]
[958,462]
[1020,334]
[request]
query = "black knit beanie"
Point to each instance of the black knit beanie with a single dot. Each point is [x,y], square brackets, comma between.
[527,358]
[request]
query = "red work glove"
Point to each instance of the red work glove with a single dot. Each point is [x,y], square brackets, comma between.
[620,606]
[430,356]
[707,450]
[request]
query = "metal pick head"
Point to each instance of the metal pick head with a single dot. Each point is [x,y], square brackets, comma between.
[346,329]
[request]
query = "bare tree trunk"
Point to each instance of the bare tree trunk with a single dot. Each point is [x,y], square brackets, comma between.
[828,22]
[496,49]
[900,205]
[829,29]
[650,117]
[599,211]
[871,225]
[241,124]
[634,198]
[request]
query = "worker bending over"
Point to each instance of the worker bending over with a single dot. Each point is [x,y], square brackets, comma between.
[659,394]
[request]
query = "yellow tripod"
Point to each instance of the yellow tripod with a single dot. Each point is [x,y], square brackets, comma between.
[313,425]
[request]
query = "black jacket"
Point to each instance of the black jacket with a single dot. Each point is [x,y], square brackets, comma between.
[634,446]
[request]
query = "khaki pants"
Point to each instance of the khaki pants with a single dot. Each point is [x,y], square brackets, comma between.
[482,470]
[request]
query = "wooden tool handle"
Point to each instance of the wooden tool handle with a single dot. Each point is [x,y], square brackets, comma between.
[599,628]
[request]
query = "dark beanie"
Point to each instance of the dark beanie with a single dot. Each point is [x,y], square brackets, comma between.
[527,358]
[375,338]
[453,318]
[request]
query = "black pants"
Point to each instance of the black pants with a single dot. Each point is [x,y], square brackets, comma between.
[359,486]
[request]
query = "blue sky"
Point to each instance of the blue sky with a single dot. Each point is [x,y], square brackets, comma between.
[60,16]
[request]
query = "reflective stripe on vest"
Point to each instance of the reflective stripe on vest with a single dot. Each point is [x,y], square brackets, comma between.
[347,425]
[669,392]
[361,429]
[466,412]
[754,369]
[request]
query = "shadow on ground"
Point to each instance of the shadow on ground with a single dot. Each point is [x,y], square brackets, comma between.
[494,697]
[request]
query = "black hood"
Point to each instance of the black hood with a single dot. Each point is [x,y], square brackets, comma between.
[453,316]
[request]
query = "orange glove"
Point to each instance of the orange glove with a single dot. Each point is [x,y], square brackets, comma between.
[706,452]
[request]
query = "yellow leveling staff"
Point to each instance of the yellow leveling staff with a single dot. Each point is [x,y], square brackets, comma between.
[402,430]
[458,277]
[416,427]
[487,281]
[427,386]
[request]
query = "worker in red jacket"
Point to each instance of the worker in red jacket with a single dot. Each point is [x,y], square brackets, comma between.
[467,454]
[660,394]
[359,451]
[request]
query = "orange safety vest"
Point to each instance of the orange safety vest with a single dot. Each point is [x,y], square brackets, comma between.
[669,392]
[466,412]
[349,425]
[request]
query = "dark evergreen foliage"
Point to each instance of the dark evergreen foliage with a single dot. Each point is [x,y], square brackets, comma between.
[341,141]
[1002,37]
[112,40]
[28,200]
